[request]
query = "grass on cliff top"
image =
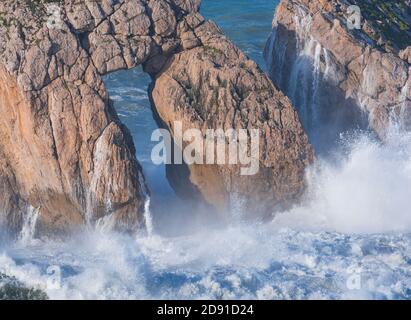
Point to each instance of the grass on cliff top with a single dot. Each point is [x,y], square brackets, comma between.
[36,12]
[38,7]
[391,19]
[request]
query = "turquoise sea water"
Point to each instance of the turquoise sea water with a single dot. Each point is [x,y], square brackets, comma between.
[349,239]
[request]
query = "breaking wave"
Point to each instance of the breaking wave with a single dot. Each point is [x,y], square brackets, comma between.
[363,188]
[354,224]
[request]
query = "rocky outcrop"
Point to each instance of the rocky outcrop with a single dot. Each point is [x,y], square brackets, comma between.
[211,84]
[67,160]
[64,152]
[339,78]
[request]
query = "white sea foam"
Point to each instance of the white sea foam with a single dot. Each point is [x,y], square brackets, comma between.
[367,190]
[243,262]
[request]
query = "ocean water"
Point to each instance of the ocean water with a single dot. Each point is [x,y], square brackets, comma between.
[350,238]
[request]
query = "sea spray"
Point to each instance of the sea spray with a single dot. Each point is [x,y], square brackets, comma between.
[106,223]
[398,115]
[368,190]
[356,213]
[148,217]
[269,51]
[147,210]
[305,83]
[315,107]
[404,113]
[245,261]
[237,207]
[29,225]
[302,21]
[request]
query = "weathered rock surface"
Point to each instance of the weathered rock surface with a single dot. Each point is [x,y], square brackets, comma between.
[213,85]
[63,149]
[338,77]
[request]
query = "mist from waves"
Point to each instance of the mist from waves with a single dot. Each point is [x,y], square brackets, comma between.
[355,221]
[365,187]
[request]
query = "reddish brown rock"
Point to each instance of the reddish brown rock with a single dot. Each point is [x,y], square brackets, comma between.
[338,78]
[64,152]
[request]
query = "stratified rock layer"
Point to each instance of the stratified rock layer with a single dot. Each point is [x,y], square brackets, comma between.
[338,77]
[64,153]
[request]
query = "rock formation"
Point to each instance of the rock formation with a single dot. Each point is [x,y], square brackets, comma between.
[212,84]
[66,157]
[337,76]
[64,153]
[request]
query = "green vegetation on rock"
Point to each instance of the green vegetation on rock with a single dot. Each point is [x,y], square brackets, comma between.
[12,289]
[390,19]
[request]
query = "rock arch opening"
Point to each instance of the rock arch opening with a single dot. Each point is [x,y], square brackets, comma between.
[66,151]
[172,214]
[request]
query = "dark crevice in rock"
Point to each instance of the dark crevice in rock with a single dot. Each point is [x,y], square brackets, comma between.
[90,146]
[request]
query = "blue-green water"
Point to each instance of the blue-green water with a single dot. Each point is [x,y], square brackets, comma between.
[246,22]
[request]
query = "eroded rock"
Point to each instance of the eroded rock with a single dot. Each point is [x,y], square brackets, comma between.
[342,78]
[64,151]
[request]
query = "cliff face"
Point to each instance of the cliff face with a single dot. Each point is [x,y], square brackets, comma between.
[339,78]
[64,153]
[212,84]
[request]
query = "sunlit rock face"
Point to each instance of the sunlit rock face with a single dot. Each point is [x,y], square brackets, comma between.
[66,158]
[341,78]
[214,85]
[63,149]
